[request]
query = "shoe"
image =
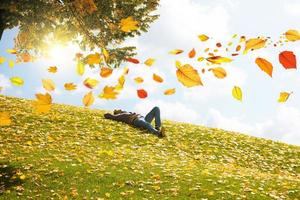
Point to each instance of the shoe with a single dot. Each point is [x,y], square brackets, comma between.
[162,133]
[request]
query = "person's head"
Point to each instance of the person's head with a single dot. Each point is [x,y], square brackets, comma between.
[119,111]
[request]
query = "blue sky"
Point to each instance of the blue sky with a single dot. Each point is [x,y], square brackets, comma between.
[180,22]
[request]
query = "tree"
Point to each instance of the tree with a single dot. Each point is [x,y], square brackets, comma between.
[89,23]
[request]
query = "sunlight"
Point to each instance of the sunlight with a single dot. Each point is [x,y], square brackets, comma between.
[62,53]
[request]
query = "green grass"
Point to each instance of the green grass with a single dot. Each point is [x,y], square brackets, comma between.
[74,153]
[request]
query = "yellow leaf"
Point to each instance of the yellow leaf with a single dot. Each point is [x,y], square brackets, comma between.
[29,143]
[48,84]
[92,59]
[11,51]
[17,81]
[11,63]
[292,35]
[129,24]
[70,86]
[121,82]
[88,99]
[254,43]
[126,71]
[283,97]
[188,76]
[43,103]
[22,177]
[157,78]
[52,69]
[237,93]
[177,63]
[139,80]
[218,59]
[169,91]
[2,60]
[4,119]
[264,65]
[105,54]
[80,68]
[105,72]
[90,83]
[200,59]
[109,92]
[149,62]
[219,72]
[175,51]
[203,37]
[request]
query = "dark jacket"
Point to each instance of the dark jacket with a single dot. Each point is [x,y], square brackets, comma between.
[127,117]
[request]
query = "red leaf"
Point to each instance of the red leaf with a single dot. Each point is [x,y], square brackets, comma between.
[132,60]
[142,93]
[288,59]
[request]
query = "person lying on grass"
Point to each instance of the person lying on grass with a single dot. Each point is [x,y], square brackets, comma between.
[140,121]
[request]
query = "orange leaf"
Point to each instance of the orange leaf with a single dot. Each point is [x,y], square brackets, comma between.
[188,76]
[43,103]
[255,43]
[219,72]
[105,72]
[92,59]
[90,83]
[52,69]
[88,99]
[142,93]
[109,93]
[70,86]
[265,65]
[288,59]
[157,78]
[169,91]
[192,53]
[132,60]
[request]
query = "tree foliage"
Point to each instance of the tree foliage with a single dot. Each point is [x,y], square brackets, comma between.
[90,23]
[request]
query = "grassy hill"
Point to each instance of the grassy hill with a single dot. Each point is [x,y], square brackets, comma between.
[74,153]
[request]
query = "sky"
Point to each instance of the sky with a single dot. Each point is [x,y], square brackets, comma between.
[212,105]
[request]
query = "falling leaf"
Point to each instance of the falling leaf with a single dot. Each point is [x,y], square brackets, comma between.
[17,81]
[188,76]
[238,48]
[237,93]
[177,63]
[200,59]
[192,53]
[121,82]
[292,35]
[2,60]
[52,69]
[176,51]
[218,59]
[43,103]
[129,24]
[78,55]
[139,80]
[93,59]
[90,83]
[142,93]
[149,62]
[265,65]
[48,84]
[157,78]
[283,97]
[125,71]
[88,99]
[133,60]
[5,119]
[169,91]
[11,51]
[105,54]
[105,72]
[203,37]
[219,45]
[288,60]
[26,57]
[70,86]
[11,63]
[80,68]
[109,92]
[255,43]
[219,72]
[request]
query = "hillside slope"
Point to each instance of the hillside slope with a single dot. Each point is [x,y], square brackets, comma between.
[74,153]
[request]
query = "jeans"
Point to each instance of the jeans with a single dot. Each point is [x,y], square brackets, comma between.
[145,122]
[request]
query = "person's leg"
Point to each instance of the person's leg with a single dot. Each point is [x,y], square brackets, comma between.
[154,113]
[141,123]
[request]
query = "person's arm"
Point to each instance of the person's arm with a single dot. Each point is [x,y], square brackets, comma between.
[119,117]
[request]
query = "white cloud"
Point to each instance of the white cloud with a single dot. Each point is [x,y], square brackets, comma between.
[4,82]
[292,7]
